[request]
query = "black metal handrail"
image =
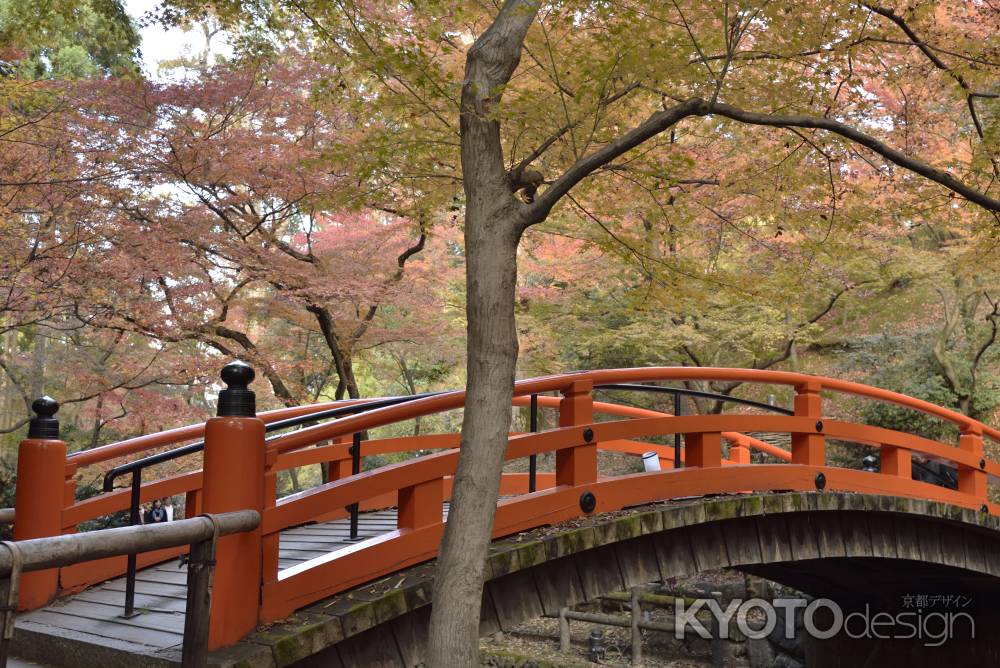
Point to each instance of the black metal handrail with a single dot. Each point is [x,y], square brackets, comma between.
[136,467]
[160,457]
[725,398]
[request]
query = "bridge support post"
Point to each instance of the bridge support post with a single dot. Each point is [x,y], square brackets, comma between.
[577,466]
[972,481]
[703,450]
[739,451]
[809,448]
[40,497]
[234,480]
[896,462]
[421,505]
[340,468]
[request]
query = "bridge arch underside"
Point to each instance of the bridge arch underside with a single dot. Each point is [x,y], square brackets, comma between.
[855,549]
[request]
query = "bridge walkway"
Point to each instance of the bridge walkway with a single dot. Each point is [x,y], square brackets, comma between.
[93,618]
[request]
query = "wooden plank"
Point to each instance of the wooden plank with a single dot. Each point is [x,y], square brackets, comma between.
[558,584]
[829,536]
[410,632]
[857,541]
[489,622]
[162,577]
[106,629]
[992,554]
[883,535]
[907,543]
[953,545]
[151,588]
[142,600]
[709,546]
[929,537]
[161,621]
[673,553]
[742,541]
[599,572]
[64,647]
[515,599]
[802,537]
[773,534]
[370,650]
[975,551]
[315,548]
[637,561]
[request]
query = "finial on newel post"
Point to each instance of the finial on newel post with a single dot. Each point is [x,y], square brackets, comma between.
[237,400]
[44,425]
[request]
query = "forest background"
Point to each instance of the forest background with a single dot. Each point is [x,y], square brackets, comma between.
[277,207]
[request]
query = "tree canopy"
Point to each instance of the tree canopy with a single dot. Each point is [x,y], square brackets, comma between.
[795,184]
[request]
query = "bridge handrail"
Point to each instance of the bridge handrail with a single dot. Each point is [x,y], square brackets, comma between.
[201,533]
[273,425]
[450,400]
[419,484]
[455,399]
[606,408]
[392,477]
[131,446]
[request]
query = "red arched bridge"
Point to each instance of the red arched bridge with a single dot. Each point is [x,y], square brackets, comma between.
[332,538]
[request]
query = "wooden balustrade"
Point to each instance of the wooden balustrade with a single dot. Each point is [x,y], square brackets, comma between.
[420,486]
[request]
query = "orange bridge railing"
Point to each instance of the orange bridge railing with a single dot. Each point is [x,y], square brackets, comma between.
[240,467]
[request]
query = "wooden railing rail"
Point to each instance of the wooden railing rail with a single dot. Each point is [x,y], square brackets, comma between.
[419,484]
[200,533]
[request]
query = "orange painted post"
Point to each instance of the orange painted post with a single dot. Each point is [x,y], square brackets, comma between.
[40,496]
[192,503]
[577,466]
[340,468]
[270,547]
[809,447]
[739,452]
[421,504]
[333,469]
[972,481]
[703,450]
[896,462]
[234,480]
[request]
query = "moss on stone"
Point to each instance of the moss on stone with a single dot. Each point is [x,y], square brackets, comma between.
[722,509]
[359,617]
[753,505]
[628,527]
[651,522]
[502,562]
[531,553]
[390,605]
[605,533]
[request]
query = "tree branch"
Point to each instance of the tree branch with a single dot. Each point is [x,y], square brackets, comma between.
[892,155]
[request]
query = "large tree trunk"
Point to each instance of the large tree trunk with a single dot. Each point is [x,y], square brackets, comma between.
[492,357]
[493,225]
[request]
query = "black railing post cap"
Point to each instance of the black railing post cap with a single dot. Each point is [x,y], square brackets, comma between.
[44,425]
[237,400]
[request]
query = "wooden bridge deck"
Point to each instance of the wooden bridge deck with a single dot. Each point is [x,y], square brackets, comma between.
[154,637]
